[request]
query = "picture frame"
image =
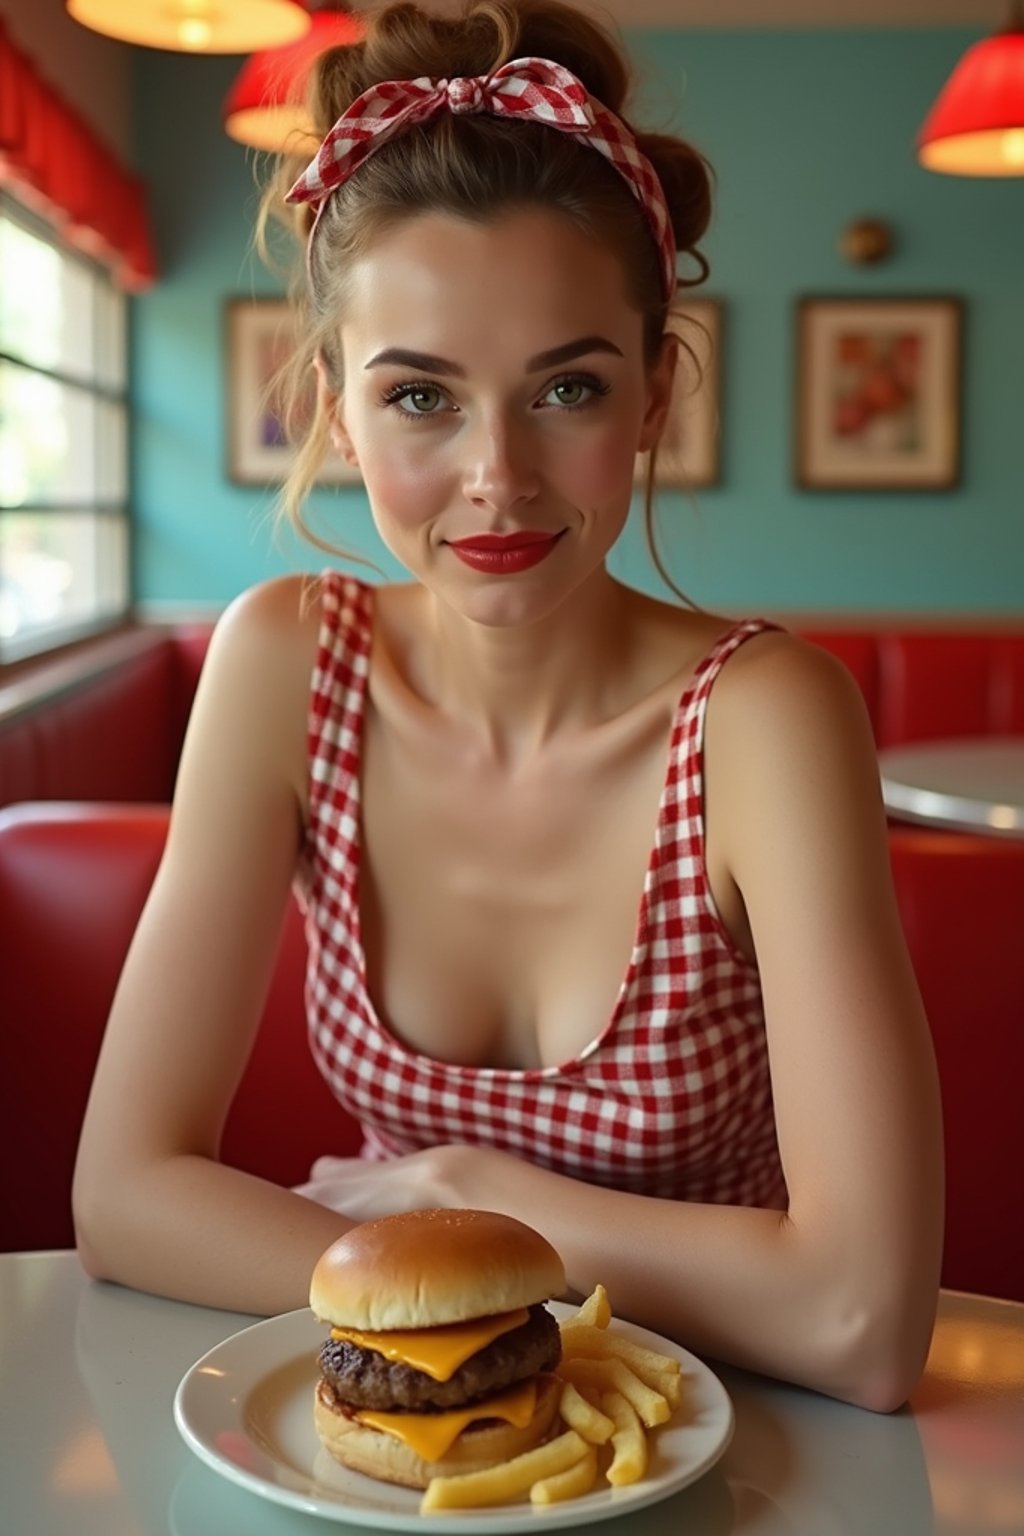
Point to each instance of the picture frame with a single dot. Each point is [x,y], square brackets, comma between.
[878,393]
[689,453]
[257,335]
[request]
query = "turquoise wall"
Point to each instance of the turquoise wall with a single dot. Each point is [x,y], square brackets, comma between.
[806,131]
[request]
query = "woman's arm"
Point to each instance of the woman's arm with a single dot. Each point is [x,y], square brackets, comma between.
[153,1208]
[839,1293]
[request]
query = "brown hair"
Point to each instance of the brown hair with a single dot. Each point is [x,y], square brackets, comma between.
[472,166]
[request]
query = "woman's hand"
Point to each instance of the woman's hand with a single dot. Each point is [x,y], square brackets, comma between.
[363,1190]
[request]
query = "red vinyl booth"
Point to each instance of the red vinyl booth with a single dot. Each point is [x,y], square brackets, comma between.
[961,898]
[73,878]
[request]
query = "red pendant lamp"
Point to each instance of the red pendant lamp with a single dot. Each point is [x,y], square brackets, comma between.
[976,127]
[265,108]
[195,26]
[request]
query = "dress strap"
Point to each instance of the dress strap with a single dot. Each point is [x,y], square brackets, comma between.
[695,704]
[338,690]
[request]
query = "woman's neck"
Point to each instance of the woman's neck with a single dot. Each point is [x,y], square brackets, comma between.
[518,688]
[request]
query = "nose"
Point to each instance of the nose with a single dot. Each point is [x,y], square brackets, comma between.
[500,470]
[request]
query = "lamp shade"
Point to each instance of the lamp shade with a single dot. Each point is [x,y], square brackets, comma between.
[265,108]
[195,26]
[976,127]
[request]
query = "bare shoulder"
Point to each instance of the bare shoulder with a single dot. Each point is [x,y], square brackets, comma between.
[264,645]
[282,615]
[790,691]
[791,759]
[774,683]
[251,707]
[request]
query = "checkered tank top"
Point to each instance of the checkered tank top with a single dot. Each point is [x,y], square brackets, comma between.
[672,1097]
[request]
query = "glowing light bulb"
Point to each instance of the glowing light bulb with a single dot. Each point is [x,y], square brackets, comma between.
[1013,146]
[194,34]
[194,26]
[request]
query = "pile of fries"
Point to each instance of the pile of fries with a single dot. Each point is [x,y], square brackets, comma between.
[613,1391]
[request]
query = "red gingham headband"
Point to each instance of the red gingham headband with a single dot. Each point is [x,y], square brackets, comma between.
[530,89]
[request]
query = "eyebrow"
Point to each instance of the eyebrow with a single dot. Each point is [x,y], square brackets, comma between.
[428,362]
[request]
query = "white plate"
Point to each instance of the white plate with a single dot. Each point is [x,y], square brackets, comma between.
[246,1409]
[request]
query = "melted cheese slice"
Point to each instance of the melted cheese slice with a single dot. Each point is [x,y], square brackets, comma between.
[437,1351]
[431,1434]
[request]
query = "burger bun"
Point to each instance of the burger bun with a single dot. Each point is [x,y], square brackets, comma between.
[422,1269]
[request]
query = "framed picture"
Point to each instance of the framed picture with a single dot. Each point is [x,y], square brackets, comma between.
[257,338]
[878,393]
[688,454]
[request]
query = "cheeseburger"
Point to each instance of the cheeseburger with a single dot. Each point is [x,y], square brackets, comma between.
[440,1348]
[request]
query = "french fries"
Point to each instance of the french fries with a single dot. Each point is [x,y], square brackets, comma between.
[613,1375]
[570,1484]
[629,1444]
[660,1372]
[596,1311]
[469,1490]
[612,1391]
[584,1417]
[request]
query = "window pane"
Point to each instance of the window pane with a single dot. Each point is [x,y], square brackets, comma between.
[48,439]
[29,295]
[111,351]
[111,451]
[59,571]
[64,524]
[48,304]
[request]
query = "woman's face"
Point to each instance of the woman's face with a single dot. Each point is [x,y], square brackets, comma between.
[495,384]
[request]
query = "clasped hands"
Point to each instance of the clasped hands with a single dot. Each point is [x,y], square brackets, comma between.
[363,1189]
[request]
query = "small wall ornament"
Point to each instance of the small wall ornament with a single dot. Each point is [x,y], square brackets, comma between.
[866,241]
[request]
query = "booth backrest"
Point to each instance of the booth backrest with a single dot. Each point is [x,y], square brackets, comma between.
[113,736]
[73,880]
[108,725]
[930,684]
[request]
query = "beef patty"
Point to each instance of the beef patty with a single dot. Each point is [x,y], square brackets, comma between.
[363,1378]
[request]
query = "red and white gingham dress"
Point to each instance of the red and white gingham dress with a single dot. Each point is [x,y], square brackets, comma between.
[673,1097]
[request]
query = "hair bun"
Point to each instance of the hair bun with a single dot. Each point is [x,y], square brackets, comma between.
[687,179]
[403,42]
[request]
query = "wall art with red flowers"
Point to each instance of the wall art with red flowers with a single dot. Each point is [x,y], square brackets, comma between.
[878,393]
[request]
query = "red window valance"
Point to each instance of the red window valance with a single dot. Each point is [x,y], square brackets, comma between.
[53,162]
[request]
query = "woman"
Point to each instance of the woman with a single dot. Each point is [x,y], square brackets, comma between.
[700,1068]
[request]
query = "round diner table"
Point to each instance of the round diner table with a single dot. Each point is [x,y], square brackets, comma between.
[974,785]
[88,1442]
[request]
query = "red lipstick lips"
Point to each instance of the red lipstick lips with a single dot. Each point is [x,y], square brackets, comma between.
[502,554]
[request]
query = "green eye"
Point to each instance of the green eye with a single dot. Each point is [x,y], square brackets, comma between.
[575,391]
[424,398]
[570,391]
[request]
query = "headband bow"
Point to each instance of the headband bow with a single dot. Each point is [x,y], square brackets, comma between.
[528,89]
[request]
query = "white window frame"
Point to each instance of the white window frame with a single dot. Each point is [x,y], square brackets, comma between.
[39,643]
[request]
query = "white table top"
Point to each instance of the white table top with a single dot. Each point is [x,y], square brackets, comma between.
[88,1443]
[974,785]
